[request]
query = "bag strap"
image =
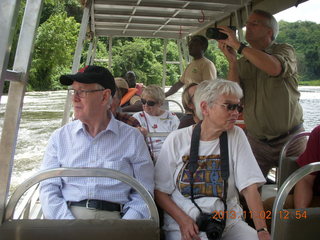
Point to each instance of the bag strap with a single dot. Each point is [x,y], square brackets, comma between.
[193,162]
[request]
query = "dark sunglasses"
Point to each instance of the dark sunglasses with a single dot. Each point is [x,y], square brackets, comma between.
[149,103]
[232,107]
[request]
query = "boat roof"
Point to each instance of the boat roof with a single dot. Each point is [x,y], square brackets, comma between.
[173,18]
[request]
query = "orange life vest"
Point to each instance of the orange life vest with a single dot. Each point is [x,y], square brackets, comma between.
[131,92]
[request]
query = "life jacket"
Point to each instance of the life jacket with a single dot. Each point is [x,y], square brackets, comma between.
[131,92]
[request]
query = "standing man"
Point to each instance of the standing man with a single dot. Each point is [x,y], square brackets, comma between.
[95,140]
[267,72]
[200,69]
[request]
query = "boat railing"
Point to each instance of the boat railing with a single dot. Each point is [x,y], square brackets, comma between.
[287,165]
[294,224]
[80,172]
[13,228]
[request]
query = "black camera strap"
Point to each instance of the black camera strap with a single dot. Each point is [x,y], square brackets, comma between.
[193,162]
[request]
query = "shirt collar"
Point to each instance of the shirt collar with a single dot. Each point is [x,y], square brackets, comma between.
[112,126]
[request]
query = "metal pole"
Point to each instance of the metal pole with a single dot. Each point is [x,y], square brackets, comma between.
[164,71]
[110,54]
[15,97]
[8,18]
[76,60]
[180,56]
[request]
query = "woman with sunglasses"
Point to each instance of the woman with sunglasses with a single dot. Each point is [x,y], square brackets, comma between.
[154,118]
[199,189]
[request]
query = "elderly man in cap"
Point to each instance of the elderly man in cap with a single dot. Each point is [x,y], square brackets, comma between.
[95,140]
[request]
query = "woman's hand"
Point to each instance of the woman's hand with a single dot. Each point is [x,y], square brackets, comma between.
[189,229]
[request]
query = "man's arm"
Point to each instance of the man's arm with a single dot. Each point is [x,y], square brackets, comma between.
[174,88]
[303,192]
[254,202]
[264,61]
[54,206]
[188,228]
[143,172]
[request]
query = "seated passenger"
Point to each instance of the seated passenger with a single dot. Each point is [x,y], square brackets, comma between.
[154,118]
[95,140]
[217,105]
[307,190]
[190,117]
[131,80]
[123,117]
[128,95]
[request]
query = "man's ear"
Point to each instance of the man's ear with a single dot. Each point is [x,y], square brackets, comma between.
[106,95]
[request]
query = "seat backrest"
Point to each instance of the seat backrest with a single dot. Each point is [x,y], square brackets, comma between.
[27,229]
[79,230]
[287,165]
[295,224]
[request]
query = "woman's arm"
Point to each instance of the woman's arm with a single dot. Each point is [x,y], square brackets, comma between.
[254,202]
[188,228]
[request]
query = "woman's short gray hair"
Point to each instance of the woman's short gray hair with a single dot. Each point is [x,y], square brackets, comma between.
[154,92]
[209,91]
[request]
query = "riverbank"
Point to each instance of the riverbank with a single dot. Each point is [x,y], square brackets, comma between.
[310,83]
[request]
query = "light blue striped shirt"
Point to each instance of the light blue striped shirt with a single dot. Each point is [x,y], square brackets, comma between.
[119,147]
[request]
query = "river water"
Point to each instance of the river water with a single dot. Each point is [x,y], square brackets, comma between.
[42,114]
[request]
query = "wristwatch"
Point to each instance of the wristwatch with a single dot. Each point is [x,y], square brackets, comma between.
[242,46]
[262,229]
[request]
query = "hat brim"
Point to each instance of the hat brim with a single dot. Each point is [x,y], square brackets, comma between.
[78,77]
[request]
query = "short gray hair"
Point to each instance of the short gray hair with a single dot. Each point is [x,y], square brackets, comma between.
[271,22]
[154,92]
[209,91]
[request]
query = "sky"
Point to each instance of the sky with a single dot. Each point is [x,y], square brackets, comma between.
[307,11]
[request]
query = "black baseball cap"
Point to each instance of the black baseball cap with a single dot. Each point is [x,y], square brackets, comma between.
[91,74]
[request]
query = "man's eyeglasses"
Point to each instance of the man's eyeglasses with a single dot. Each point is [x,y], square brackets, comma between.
[83,93]
[149,103]
[232,107]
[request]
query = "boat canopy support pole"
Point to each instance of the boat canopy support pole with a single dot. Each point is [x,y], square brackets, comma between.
[8,18]
[164,70]
[77,58]
[179,42]
[185,50]
[110,54]
[94,49]
[15,97]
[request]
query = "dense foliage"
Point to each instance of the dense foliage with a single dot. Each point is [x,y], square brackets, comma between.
[305,38]
[58,32]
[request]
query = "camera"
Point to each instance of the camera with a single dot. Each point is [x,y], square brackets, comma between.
[214,33]
[212,226]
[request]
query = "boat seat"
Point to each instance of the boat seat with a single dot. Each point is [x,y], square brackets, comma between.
[115,229]
[287,165]
[28,229]
[288,223]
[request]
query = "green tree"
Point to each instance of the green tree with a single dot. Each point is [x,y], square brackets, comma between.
[53,54]
[304,36]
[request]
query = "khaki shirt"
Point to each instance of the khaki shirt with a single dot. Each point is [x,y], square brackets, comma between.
[198,71]
[271,103]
